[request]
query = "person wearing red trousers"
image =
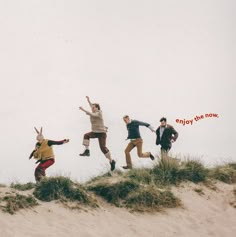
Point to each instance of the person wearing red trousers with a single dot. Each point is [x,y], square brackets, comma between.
[44,154]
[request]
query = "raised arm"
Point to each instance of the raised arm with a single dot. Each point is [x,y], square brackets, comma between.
[96,114]
[51,143]
[146,125]
[89,101]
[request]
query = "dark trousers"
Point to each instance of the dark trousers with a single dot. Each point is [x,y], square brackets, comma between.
[102,137]
[164,150]
[165,147]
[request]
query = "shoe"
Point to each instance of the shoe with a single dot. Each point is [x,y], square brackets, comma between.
[86,153]
[113,165]
[152,157]
[126,167]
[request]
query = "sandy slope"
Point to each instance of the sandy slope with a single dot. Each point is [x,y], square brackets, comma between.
[202,215]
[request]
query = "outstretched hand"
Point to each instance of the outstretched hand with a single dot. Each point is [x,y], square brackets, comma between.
[152,128]
[66,140]
[81,108]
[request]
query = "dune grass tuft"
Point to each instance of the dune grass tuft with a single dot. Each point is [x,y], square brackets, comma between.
[225,173]
[166,172]
[137,195]
[194,171]
[100,177]
[199,191]
[63,189]
[151,199]
[140,175]
[169,171]
[23,187]
[233,202]
[115,193]
[13,203]
[232,165]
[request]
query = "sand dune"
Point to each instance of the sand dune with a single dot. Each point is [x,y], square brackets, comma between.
[208,213]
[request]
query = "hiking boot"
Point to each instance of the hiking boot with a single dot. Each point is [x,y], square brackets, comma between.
[126,167]
[86,153]
[113,165]
[152,157]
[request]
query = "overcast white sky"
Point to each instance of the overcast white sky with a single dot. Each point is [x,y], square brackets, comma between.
[144,58]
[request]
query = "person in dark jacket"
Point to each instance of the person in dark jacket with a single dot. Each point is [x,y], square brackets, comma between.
[135,140]
[166,135]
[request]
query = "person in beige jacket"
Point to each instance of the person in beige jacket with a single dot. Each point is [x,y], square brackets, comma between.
[99,131]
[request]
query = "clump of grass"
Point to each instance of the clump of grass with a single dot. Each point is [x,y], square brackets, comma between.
[138,188]
[134,195]
[115,193]
[14,203]
[232,165]
[210,184]
[168,172]
[63,189]
[140,175]
[2,185]
[151,199]
[194,171]
[100,177]
[233,202]
[225,173]
[199,191]
[23,187]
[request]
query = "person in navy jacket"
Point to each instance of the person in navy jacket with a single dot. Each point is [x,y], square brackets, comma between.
[135,140]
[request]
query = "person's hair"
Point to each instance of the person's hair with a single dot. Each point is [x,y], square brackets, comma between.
[97,106]
[163,119]
[126,116]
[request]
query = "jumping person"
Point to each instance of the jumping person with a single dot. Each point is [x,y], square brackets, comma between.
[44,154]
[135,140]
[166,135]
[98,131]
